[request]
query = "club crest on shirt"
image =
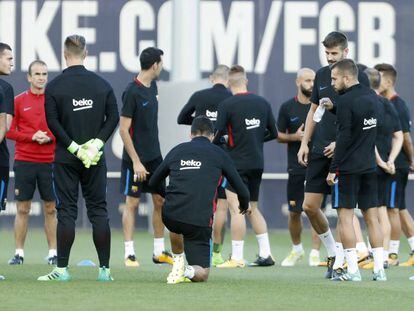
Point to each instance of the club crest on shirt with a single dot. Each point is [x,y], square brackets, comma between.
[16,192]
[134,189]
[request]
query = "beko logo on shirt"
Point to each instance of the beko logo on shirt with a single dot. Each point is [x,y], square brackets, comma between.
[82,104]
[190,165]
[370,123]
[212,115]
[252,123]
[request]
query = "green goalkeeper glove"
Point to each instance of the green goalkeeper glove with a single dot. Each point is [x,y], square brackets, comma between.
[92,152]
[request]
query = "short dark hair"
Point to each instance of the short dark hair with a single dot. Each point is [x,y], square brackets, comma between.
[387,70]
[334,39]
[75,44]
[202,126]
[236,69]
[374,77]
[149,57]
[35,62]
[4,46]
[346,65]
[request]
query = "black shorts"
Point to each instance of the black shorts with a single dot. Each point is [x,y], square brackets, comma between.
[295,192]
[27,175]
[252,179]
[316,173]
[397,189]
[353,189]
[134,189]
[384,187]
[221,189]
[197,241]
[4,182]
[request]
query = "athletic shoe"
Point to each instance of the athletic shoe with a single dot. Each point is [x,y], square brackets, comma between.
[348,277]
[292,259]
[379,276]
[323,264]
[364,259]
[164,258]
[368,266]
[131,261]
[386,264]
[338,272]
[57,274]
[52,261]
[16,260]
[177,274]
[263,262]
[314,261]
[182,279]
[232,263]
[393,259]
[2,278]
[409,262]
[105,275]
[216,259]
[363,256]
[329,263]
[411,278]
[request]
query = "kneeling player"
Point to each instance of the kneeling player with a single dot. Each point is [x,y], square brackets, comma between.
[195,169]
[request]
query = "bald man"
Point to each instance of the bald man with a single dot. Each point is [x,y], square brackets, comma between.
[290,124]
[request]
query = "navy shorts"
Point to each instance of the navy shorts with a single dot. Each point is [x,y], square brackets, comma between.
[295,192]
[252,179]
[397,189]
[316,173]
[4,182]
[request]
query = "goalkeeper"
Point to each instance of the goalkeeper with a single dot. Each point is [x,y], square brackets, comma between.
[82,113]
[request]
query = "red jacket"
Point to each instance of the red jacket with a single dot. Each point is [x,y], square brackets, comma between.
[29,117]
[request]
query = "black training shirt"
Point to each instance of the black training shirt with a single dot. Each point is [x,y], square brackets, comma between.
[79,106]
[402,161]
[325,130]
[249,121]
[292,114]
[140,103]
[195,169]
[204,102]
[388,123]
[357,131]
[8,108]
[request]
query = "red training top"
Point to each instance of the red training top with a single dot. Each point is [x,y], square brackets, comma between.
[29,117]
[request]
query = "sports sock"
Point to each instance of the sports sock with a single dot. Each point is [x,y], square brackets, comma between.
[361,247]
[340,256]
[189,272]
[314,252]
[129,248]
[297,248]
[378,254]
[178,261]
[52,253]
[386,253]
[394,246]
[352,260]
[20,252]
[217,247]
[158,246]
[237,250]
[264,245]
[329,242]
[411,242]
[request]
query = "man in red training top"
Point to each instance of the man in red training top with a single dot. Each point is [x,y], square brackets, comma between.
[34,154]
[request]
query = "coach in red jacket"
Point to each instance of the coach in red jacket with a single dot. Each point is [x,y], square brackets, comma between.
[34,155]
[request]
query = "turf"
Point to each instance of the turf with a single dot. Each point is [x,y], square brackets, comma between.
[274,288]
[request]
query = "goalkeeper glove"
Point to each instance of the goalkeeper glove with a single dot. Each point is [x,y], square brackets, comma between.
[91,150]
[80,153]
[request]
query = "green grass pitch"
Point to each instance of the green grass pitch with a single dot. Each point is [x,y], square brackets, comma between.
[275,288]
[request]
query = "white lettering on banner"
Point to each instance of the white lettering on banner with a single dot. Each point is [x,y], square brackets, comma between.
[238,36]
[336,15]
[71,11]
[190,165]
[35,43]
[130,13]
[8,24]
[295,35]
[377,29]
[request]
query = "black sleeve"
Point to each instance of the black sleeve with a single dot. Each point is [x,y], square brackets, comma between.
[185,116]
[271,132]
[52,118]
[344,134]
[396,125]
[282,119]
[162,171]
[315,91]
[128,104]
[111,117]
[2,103]
[404,116]
[221,124]
[230,172]
[9,100]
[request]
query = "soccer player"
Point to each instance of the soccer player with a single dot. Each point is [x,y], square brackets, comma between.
[352,170]
[400,217]
[72,100]
[388,145]
[195,169]
[142,155]
[290,124]
[34,153]
[206,102]
[323,134]
[248,121]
